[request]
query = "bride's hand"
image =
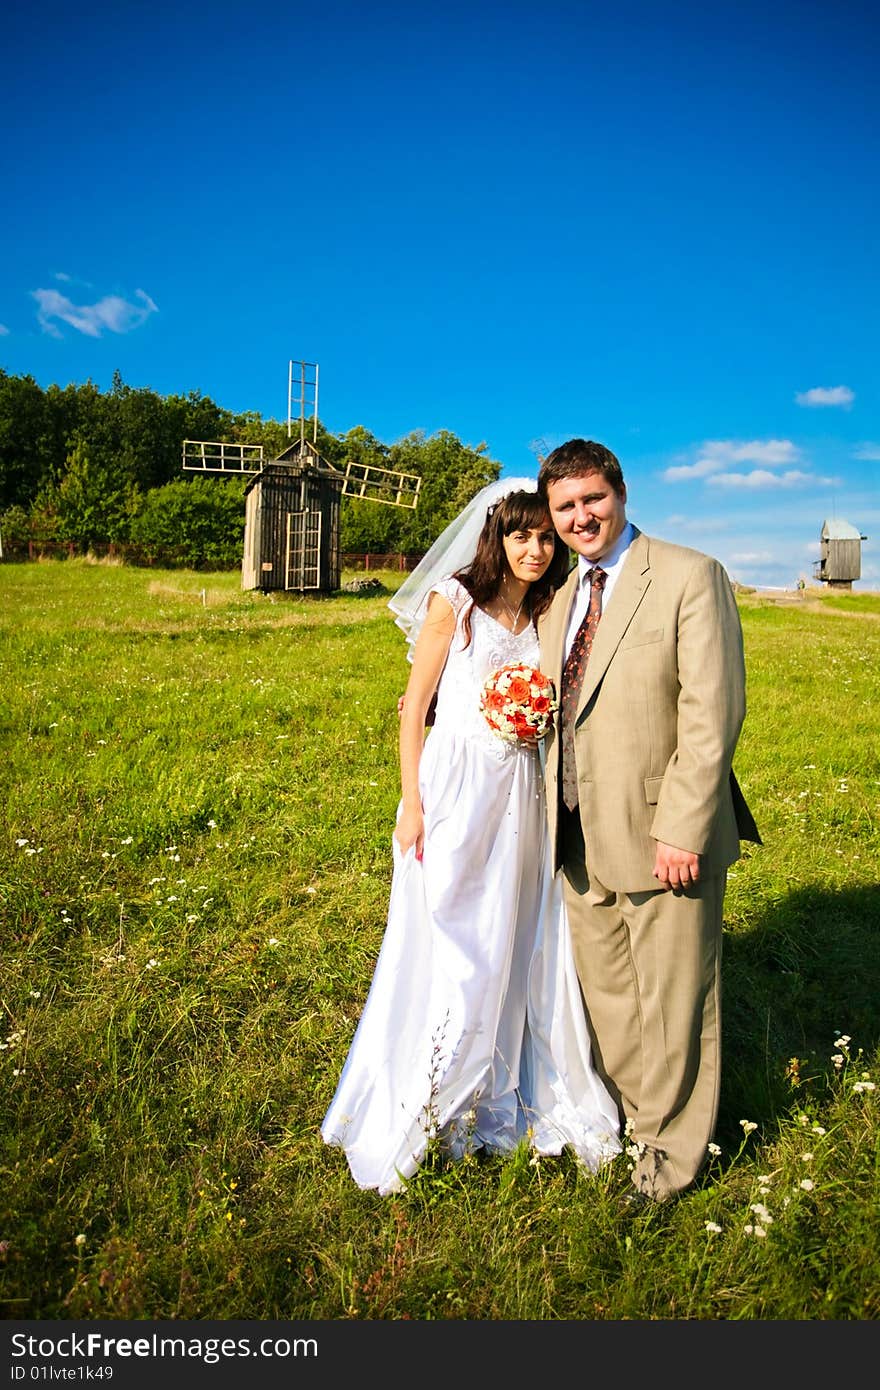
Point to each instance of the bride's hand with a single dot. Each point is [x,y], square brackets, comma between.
[410,830]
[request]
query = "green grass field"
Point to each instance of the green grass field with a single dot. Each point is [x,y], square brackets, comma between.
[200,787]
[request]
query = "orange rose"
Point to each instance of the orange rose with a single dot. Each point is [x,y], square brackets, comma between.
[518,690]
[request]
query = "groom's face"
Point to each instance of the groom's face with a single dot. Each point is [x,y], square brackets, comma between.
[588,514]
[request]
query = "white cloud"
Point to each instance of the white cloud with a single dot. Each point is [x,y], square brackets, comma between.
[762,478]
[868,451]
[718,455]
[112,312]
[703,523]
[752,557]
[826,395]
[682,471]
[766,451]
[4,331]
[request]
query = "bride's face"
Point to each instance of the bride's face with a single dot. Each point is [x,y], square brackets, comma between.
[529,552]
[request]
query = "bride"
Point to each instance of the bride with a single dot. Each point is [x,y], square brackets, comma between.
[473,1034]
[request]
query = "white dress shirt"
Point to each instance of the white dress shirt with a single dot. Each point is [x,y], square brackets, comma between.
[612,564]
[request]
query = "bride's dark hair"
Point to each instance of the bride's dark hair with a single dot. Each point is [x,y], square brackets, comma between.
[518,511]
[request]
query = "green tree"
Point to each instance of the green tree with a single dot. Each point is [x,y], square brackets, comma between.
[15,530]
[90,504]
[25,449]
[198,522]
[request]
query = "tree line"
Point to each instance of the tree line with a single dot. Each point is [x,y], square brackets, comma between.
[85,468]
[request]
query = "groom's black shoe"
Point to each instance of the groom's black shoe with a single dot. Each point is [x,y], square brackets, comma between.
[635,1203]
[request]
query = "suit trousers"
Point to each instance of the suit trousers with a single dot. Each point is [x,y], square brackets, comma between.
[649,966]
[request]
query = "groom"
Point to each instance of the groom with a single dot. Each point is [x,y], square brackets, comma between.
[644,810]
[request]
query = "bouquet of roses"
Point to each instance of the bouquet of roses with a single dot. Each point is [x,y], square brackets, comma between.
[518,702]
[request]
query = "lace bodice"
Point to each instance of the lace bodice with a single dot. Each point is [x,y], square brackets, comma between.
[490,646]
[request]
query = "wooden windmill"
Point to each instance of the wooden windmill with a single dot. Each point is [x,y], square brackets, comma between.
[291,535]
[840,554]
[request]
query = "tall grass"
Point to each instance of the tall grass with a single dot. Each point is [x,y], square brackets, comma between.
[194,870]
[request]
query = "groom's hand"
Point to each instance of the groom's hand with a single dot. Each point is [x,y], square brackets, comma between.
[676,868]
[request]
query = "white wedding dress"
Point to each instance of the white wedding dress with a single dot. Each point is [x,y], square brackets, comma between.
[473,1031]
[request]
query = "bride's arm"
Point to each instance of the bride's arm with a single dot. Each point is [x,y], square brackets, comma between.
[429,658]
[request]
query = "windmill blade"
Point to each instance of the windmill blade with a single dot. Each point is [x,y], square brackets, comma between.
[372,484]
[216,456]
[540,448]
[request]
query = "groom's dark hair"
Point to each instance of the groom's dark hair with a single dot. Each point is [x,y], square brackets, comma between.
[575,459]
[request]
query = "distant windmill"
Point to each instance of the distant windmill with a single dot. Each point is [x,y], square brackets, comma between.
[291,536]
[840,559]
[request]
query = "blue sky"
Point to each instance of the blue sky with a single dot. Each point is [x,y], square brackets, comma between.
[650,225]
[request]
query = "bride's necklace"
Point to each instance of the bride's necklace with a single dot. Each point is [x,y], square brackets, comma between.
[513,615]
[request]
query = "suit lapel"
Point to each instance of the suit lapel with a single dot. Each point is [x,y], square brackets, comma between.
[553,627]
[629,591]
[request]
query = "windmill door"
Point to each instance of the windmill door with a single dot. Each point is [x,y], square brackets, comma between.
[303,567]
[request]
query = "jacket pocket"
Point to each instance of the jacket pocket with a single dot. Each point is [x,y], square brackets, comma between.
[642,639]
[652,789]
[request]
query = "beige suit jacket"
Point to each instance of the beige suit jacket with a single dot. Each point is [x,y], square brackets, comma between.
[658,719]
